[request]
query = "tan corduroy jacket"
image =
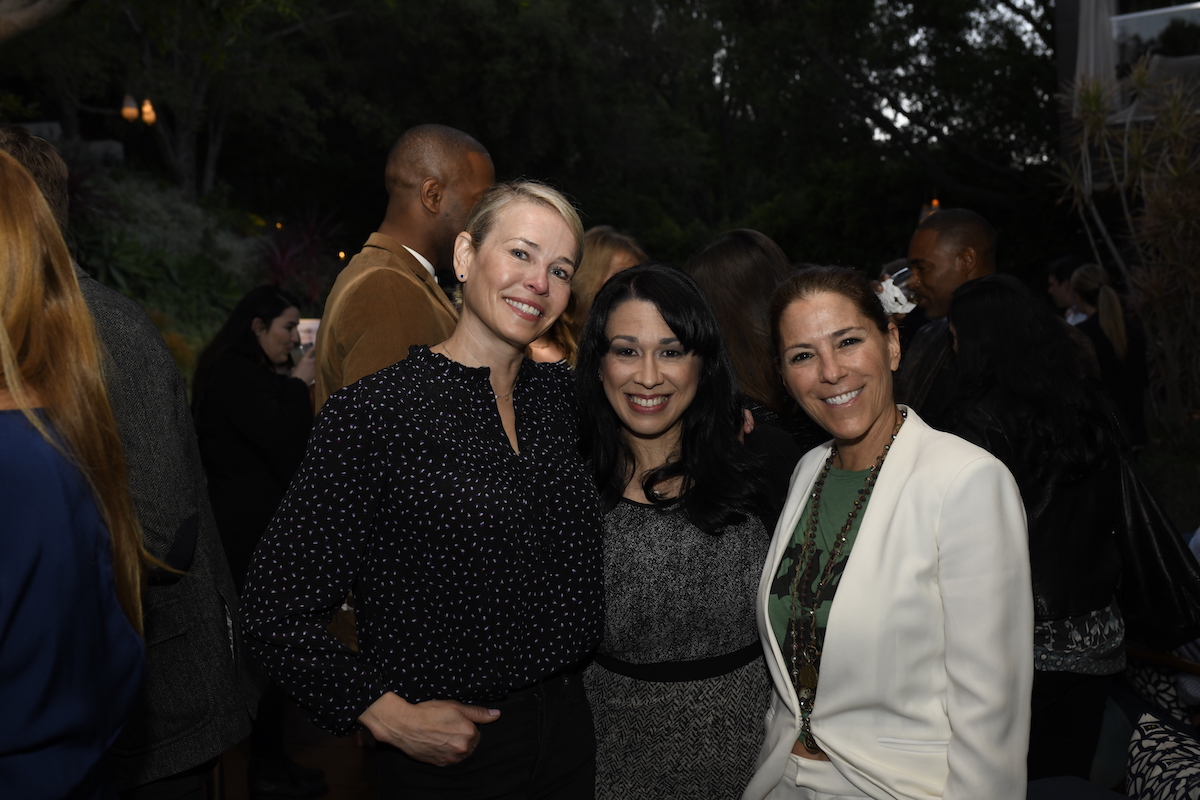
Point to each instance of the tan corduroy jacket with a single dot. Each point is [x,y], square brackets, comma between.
[383,302]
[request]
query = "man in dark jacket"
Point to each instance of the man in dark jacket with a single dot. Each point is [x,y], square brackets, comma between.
[948,249]
[199,692]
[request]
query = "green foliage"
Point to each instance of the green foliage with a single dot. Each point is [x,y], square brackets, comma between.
[676,119]
[177,260]
[13,107]
[827,122]
[1147,159]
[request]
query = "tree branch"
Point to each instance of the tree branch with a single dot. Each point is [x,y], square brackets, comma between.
[300,26]
[906,141]
[133,20]
[1041,28]
[18,16]
[1000,170]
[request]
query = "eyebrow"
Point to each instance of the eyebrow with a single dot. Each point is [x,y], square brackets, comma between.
[634,339]
[535,246]
[834,335]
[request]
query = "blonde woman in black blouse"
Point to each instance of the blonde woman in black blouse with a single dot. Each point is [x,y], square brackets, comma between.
[447,491]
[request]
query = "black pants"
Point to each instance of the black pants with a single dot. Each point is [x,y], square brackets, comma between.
[1068,710]
[190,784]
[266,737]
[543,747]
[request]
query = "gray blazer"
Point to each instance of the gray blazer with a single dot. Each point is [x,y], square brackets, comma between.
[199,693]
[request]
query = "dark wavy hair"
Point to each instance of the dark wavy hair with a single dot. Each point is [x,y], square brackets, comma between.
[721,482]
[817,279]
[237,337]
[1015,351]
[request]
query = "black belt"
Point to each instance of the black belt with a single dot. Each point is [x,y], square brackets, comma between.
[563,676]
[677,671]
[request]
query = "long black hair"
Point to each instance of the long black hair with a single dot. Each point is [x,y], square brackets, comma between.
[237,336]
[720,481]
[1013,349]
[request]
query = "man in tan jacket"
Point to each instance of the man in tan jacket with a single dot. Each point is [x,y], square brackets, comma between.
[387,298]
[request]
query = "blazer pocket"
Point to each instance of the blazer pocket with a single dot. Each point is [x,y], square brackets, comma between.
[914,745]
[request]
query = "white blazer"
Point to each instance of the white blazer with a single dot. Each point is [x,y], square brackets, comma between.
[927,669]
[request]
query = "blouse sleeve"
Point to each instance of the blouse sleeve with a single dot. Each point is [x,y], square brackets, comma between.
[307,562]
[984,578]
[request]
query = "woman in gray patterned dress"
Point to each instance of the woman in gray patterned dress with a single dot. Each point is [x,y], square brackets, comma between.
[678,688]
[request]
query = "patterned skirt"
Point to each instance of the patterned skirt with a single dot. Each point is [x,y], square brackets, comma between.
[686,740]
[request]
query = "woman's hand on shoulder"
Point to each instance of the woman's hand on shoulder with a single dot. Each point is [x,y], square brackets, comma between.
[438,732]
[747,425]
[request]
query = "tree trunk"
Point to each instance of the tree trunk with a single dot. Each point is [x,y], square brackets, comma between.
[177,143]
[216,137]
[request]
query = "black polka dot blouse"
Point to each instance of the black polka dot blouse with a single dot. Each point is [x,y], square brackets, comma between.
[475,570]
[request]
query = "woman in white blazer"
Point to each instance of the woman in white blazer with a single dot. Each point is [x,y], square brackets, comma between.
[902,664]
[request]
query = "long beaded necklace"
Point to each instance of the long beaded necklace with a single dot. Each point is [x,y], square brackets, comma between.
[805,659]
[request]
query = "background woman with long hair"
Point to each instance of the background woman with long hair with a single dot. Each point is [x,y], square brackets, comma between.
[1026,397]
[605,253]
[678,687]
[739,272]
[1120,346]
[253,413]
[72,563]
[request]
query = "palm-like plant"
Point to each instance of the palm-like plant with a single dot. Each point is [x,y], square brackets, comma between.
[1148,156]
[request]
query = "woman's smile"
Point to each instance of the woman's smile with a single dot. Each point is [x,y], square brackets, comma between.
[525,309]
[648,404]
[842,399]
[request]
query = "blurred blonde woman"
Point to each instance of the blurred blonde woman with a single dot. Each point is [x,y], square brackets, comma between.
[605,253]
[1120,348]
[71,558]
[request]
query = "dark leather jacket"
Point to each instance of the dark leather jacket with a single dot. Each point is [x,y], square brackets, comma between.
[1072,547]
[931,352]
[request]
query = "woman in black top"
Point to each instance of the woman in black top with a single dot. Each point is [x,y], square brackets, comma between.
[253,413]
[448,492]
[679,686]
[1027,397]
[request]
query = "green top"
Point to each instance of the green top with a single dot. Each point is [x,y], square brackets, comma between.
[837,500]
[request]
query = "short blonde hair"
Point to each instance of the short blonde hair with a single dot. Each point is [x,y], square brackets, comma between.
[501,195]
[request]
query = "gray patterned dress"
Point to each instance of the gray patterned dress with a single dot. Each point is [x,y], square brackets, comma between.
[676,594]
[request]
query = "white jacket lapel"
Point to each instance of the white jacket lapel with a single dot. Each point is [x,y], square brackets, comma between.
[805,475]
